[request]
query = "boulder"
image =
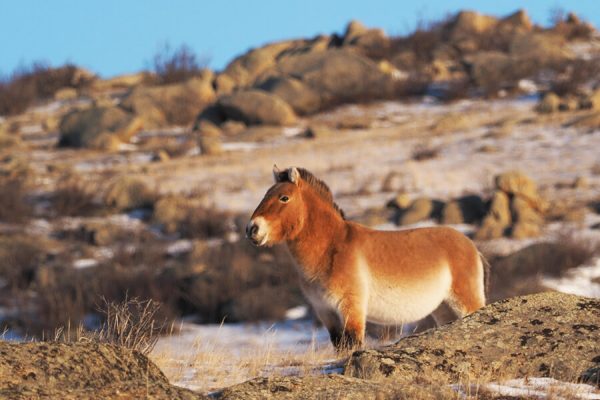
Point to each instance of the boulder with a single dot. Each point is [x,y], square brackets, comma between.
[257,107]
[300,97]
[65,94]
[497,220]
[339,75]
[127,193]
[516,183]
[359,35]
[468,23]
[550,103]
[84,128]
[81,370]
[173,104]
[547,334]
[122,82]
[524,230]
[518,21]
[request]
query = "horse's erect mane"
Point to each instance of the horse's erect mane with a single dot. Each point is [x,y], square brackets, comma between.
[318,186]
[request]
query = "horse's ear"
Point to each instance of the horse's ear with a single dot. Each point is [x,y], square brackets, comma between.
[276,174]
[294,175]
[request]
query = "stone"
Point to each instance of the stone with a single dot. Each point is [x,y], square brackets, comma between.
[522,211]
[420,210]
[524,230]
[550,103]
[516,183]
[451,122]
[299,96]
[257,107]
[167,105]
[65,94]
[339,75]
[82,128]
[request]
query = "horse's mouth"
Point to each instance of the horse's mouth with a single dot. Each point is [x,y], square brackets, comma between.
[258,242]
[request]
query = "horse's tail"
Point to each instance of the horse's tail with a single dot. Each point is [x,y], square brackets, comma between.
[486,274]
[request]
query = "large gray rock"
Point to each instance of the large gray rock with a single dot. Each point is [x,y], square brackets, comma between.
[88,128]
[256,107]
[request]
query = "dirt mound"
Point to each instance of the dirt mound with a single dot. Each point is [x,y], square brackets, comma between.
[81,370]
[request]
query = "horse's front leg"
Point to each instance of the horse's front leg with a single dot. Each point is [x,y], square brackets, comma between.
[354,319]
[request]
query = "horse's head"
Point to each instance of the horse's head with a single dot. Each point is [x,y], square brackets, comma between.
[281,213]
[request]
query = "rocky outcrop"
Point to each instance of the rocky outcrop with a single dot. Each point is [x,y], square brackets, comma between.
[516,208]
[81,370]
[524,336]
[173,104]
[95,126]
[543,335]
[256,107]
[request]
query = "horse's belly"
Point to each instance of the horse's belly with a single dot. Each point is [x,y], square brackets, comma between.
[403,301]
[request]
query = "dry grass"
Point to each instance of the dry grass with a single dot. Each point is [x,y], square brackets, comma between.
[74,197]
[28,85]
[519,273]
[14,202]
[132,324]
[209,364]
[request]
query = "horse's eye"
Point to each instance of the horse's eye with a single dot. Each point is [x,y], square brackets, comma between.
[284,199]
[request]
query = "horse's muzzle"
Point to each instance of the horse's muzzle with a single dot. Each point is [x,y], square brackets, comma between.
[252,233]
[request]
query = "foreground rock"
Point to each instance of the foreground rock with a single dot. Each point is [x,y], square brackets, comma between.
[81,370]
[544,335]
[549,335]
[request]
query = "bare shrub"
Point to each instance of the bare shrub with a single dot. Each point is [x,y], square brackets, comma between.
[14,205]
[518,274]
[20,257]
[239,282]
[28,85]
[573,75]
[172,66]
[423,153]
[132,323]
[73,197]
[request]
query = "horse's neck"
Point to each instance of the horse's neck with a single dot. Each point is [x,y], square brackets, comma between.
[312,248]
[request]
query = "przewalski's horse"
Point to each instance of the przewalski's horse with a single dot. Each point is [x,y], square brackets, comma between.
[352,274]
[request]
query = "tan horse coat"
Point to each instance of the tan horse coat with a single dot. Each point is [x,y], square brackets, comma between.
[352,274]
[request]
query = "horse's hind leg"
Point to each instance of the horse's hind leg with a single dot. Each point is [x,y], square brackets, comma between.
[467,293]
[444,314]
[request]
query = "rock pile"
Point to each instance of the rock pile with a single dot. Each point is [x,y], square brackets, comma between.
[515,209]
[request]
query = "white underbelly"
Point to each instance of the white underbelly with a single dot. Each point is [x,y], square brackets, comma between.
[403,302]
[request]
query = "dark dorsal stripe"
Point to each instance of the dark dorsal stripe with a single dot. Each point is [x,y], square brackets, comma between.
[318,185]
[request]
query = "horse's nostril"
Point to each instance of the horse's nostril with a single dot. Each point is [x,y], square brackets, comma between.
[251,229]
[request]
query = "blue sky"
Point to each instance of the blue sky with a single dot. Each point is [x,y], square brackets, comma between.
[111,37]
